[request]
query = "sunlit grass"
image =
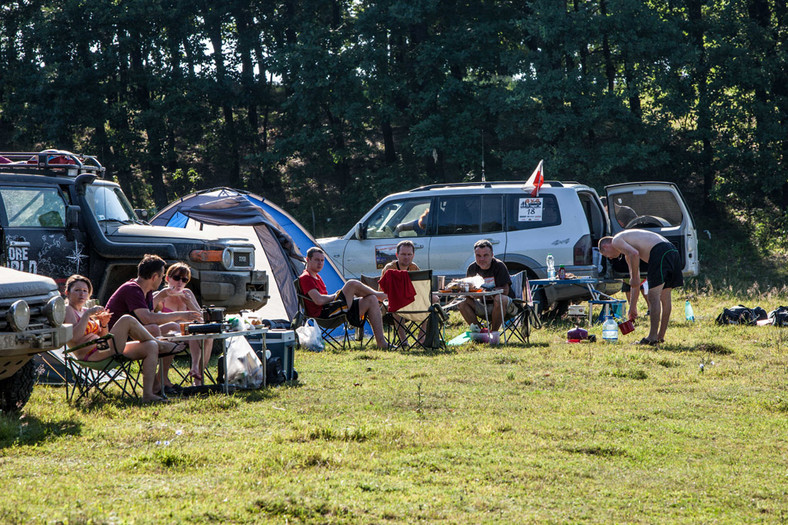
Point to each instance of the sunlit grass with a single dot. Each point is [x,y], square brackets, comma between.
[552,432]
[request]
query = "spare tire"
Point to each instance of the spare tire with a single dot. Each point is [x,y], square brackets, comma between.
[16,390]
[647,221]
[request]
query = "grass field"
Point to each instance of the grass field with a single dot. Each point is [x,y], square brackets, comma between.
[693,431]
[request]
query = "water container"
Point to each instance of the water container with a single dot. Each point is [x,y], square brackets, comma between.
[689,315]
[550,267]
[610,330]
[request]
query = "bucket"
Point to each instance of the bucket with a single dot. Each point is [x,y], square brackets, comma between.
[626,327]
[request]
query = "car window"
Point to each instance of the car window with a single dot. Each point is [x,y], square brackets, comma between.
[645,205]
[109,203]
[34,207]
[593,212]
[405,218]
[524,212]
[469,214]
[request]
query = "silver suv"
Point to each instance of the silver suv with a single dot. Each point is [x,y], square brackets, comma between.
[31,321]
[565,219]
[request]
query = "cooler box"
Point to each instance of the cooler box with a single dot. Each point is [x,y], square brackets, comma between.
[281,343]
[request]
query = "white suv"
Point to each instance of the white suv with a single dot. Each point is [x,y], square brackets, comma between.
[565,220]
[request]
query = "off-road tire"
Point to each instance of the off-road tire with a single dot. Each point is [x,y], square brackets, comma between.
[16,390]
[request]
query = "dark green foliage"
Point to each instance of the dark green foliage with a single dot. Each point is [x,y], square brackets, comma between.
[326,105]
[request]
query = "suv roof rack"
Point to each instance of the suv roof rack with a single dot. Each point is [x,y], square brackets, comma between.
[50,162]
[488,184]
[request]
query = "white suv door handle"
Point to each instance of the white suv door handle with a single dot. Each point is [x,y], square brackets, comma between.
[418,246]
[494,241]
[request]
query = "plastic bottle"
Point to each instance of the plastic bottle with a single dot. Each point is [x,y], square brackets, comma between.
[550,267]
[689,315]
[561,272]
[610,330]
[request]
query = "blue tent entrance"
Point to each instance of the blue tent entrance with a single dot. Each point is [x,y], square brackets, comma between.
[281,240]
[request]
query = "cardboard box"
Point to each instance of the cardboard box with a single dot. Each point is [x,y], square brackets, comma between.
[281,343]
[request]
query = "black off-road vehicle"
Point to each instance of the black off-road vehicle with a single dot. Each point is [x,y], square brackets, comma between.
[59,216]
[31,321]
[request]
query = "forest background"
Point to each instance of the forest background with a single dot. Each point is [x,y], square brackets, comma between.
[325,106]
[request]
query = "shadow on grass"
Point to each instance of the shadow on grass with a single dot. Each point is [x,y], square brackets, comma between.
[704,348]
[600,451]
[16,429]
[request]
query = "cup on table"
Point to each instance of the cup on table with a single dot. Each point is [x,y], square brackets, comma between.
[184,328]
[441,282]
[466,286]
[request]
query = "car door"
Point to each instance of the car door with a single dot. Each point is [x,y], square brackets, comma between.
[34,232]
[460,221]
[380,234]
[658,207]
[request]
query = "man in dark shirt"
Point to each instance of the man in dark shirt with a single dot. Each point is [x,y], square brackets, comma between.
[496,275]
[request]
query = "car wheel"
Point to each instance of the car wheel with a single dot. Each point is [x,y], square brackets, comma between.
[16,390]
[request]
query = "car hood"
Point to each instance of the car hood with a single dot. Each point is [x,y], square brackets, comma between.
[15,284]
[147,232]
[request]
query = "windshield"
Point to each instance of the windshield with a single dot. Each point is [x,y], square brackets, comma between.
[109,204]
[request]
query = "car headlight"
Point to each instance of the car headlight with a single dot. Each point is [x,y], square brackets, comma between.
[227,258]
[18,316]
[55,311]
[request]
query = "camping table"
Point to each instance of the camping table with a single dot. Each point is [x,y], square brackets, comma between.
[490,293]
[588,283]
[223,336]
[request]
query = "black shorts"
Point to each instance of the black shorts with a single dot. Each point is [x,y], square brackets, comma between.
[664,266]
[339,307]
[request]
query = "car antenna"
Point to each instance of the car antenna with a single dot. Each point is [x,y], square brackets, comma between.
[484,179]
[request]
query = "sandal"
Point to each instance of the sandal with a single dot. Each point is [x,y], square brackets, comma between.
[176,349]
[196,378]
[646,341]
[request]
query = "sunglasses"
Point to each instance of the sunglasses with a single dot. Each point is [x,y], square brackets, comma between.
[182,278]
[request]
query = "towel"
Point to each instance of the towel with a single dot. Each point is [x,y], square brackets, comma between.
[397,285]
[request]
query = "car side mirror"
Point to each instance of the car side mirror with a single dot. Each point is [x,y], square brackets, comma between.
[360,231]
[72,221]
[142,214]
[72,217]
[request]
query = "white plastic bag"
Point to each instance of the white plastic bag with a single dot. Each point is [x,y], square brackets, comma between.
[244,368]
[309,336]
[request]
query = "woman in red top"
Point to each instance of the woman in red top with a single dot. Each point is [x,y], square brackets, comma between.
[91,323]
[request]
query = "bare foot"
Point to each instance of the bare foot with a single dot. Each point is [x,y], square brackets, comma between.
[153,398]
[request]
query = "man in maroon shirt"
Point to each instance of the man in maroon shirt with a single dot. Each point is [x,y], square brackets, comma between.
[135,297]
[354,296]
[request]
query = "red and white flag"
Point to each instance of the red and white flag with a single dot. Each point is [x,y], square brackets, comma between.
[535,180]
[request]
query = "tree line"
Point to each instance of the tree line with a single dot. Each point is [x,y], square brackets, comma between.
[324,106]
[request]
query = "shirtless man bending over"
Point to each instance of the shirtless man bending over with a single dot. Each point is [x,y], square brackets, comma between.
[664,274]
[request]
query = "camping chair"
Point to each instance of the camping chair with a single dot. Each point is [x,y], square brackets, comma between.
[519,326]
[99,375]
[327,326]
[420,321]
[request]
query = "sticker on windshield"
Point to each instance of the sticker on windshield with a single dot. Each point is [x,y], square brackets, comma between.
[384,254]
[530,209]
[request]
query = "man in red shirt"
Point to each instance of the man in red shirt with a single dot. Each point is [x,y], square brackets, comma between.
[357,299]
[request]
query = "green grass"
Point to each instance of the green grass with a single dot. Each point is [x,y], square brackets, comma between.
[551,432]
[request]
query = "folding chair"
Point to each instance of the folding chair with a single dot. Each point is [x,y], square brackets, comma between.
[99,375]
[420,321]
[519,326]
[327,326]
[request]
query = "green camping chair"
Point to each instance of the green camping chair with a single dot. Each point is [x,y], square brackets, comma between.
[420,323]
[99,375]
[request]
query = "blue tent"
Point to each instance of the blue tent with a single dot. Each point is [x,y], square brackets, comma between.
[283,239]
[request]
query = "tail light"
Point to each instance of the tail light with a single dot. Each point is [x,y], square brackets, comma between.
[582,251]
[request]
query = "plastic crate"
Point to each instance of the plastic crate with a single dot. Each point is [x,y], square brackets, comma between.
[281,343]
